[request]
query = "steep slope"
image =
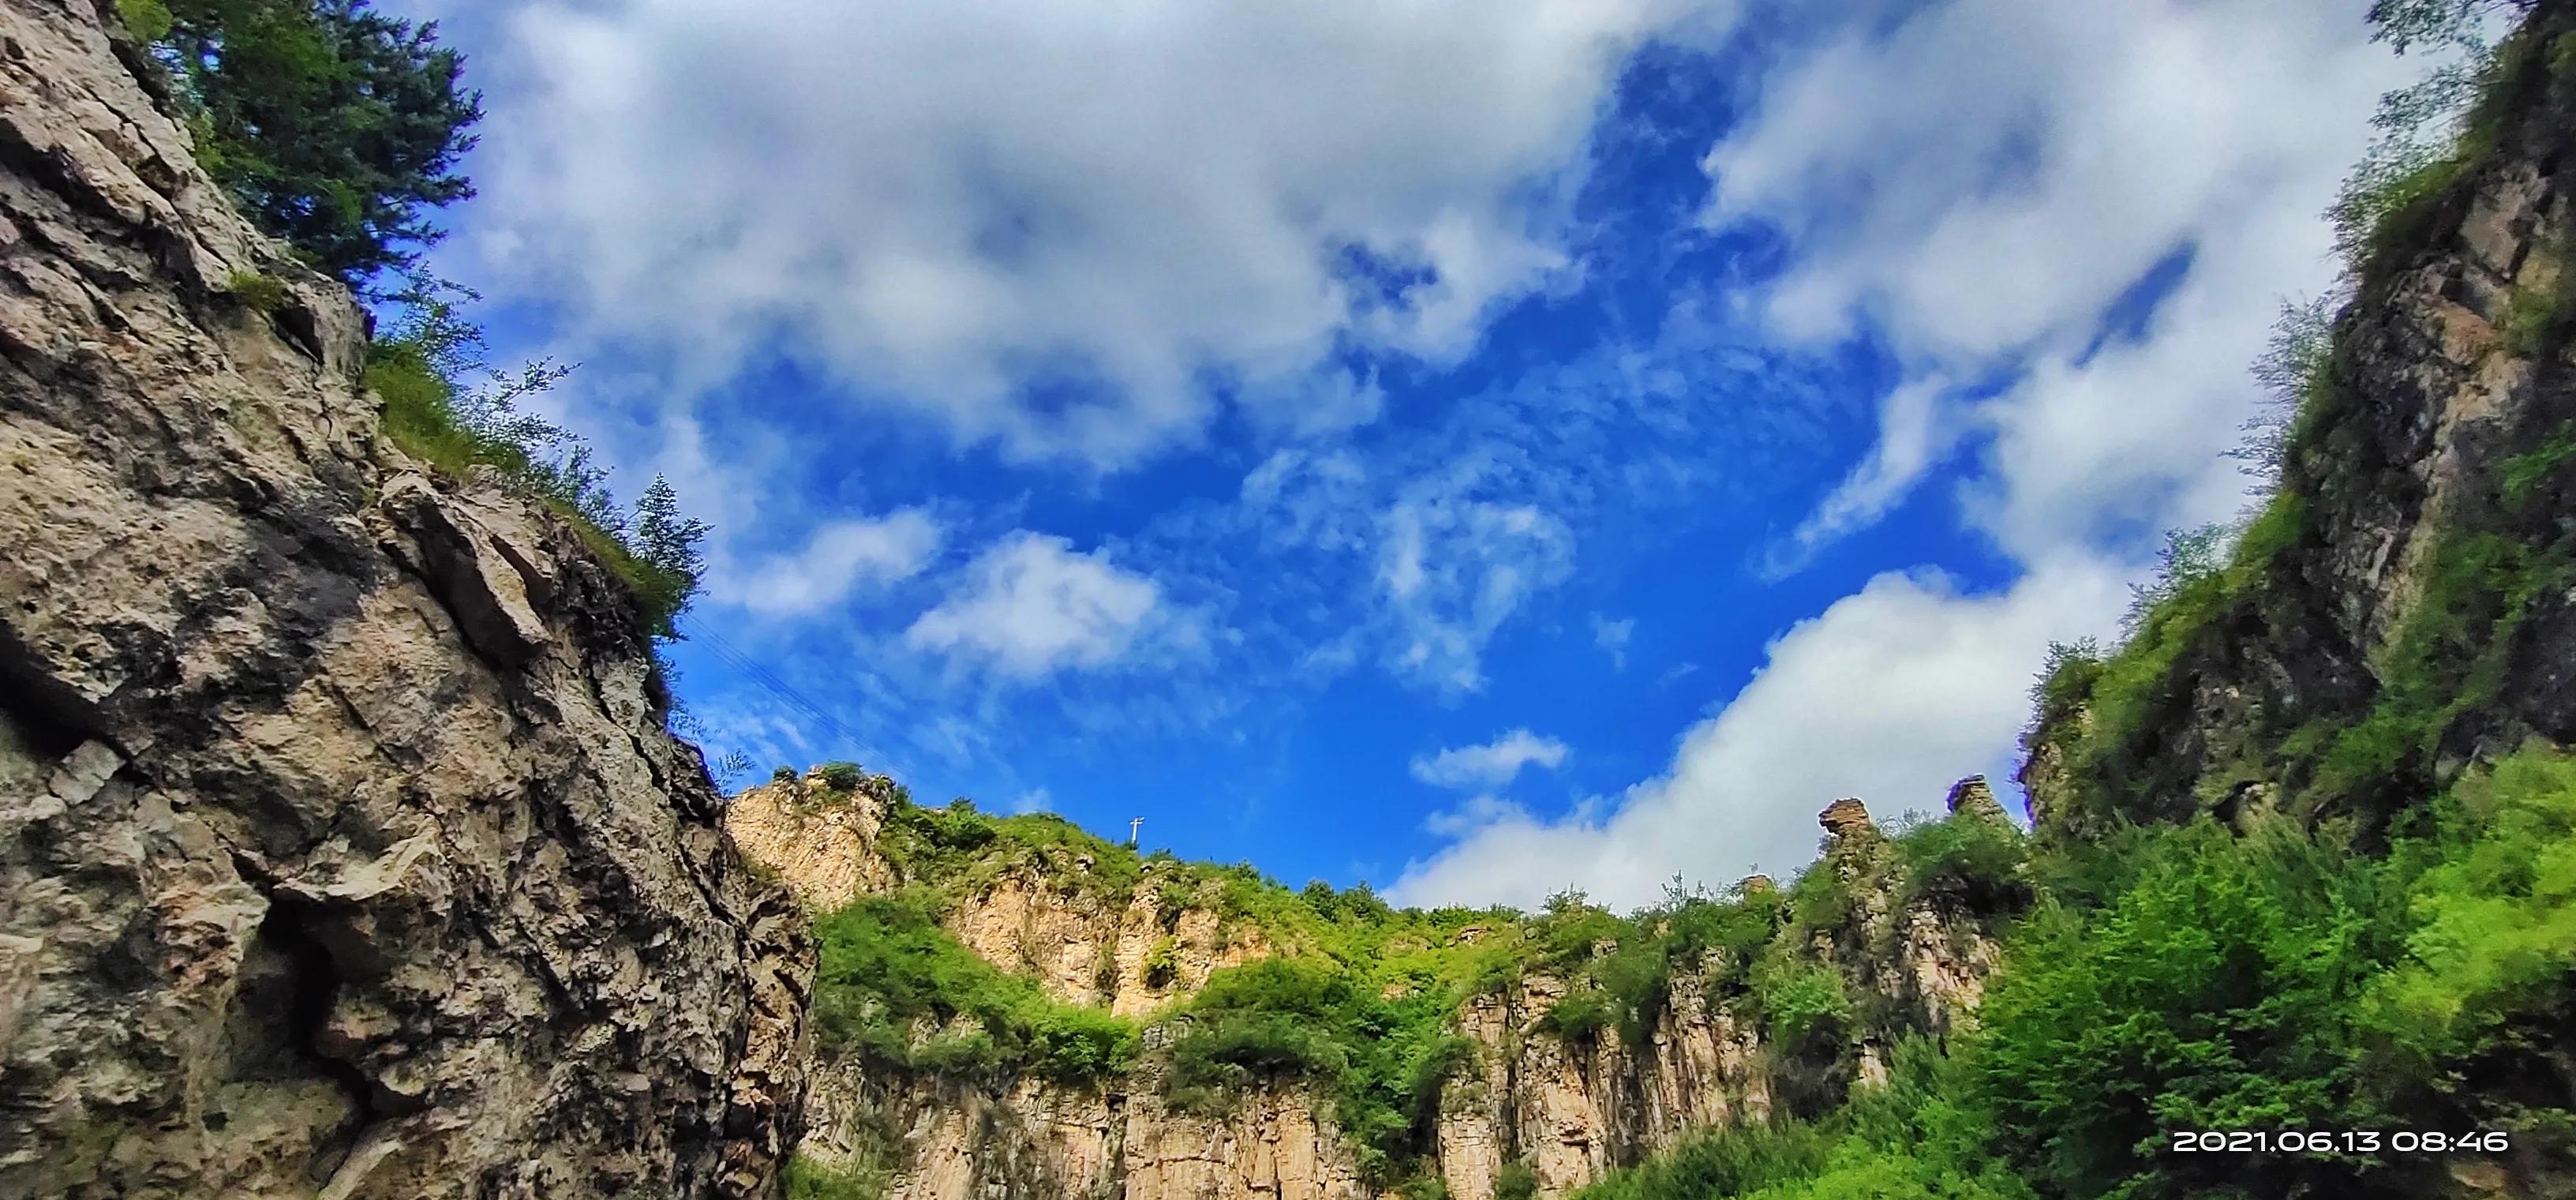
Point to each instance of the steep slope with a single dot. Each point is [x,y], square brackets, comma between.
[2406,605]
[346,852]
[1010,1005]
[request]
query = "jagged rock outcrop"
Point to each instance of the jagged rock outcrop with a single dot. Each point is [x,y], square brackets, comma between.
[1846,818]
[346,854]
[1974,795]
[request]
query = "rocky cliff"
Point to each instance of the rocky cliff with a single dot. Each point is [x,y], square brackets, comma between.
[1533,1092]
[347,855]
[2405,606]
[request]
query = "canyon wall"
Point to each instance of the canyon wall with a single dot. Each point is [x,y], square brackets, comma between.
[346,853]
[1565,1109]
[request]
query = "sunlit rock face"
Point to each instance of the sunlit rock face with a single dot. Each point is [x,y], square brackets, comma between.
[1565,1108]
[346,852]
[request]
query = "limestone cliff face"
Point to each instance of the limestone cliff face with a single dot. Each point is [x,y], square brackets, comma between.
[1567,1109]
[346,854]
[1129,951]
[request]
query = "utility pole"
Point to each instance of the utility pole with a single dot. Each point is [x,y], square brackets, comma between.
[1135,827]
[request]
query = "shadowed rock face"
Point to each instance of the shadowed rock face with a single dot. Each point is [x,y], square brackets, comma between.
[346,854]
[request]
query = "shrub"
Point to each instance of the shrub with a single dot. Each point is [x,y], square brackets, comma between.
[1515,1182]
[783,775]
[258,291]
[809,1178]
[1969,858]
[1383,1059]
[840,776]
[1578,1015]
[2211,993]
[1800,1000]
[2494,920]
[1162,962]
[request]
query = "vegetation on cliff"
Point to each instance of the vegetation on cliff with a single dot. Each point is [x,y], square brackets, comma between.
[340,130]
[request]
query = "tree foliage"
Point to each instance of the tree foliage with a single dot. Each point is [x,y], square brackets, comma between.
[336,127]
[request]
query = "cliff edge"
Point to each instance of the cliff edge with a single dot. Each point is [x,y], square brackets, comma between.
[346,852]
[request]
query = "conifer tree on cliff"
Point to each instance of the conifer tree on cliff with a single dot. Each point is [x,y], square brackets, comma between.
[336,127]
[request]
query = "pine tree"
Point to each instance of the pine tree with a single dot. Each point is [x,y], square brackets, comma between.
[336,128]
[668,543]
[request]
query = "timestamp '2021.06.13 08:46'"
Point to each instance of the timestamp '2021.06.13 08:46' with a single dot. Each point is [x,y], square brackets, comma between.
[2339,1141]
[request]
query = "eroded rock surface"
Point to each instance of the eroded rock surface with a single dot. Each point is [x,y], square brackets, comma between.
[346,854]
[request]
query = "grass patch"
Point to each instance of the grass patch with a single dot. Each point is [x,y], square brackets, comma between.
[445,406]
[2523,474]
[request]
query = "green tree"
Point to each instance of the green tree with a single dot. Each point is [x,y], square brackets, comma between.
[336,127]
[668,544]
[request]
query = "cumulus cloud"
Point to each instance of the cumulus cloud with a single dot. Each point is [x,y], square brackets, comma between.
[1891,694]
[1985,180]
[1031,605]
[840,557]
[1045,225]
[1490,764]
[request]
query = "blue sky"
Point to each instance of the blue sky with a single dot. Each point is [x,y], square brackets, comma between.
[1566,446]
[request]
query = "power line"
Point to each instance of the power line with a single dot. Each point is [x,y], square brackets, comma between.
[750,668]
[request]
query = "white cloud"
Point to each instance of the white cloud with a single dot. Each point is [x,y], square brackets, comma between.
[839,557]
[1030,605]
[1985,180]
[1891,694]
[1034,800]
[1912,435]
[1490,764]
[1612,637]
[942,203]
[1454,561]
[1982,182]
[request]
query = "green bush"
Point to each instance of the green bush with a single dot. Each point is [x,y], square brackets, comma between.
[840,776]
[810,1179]
[1579,1015]
[783,775]
[1384,1059]
[2211,993]
[1800,1000]
[1515,1182]
[1968,858]
[258,291]
[1162,962]
[893,988]
[2493,937]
